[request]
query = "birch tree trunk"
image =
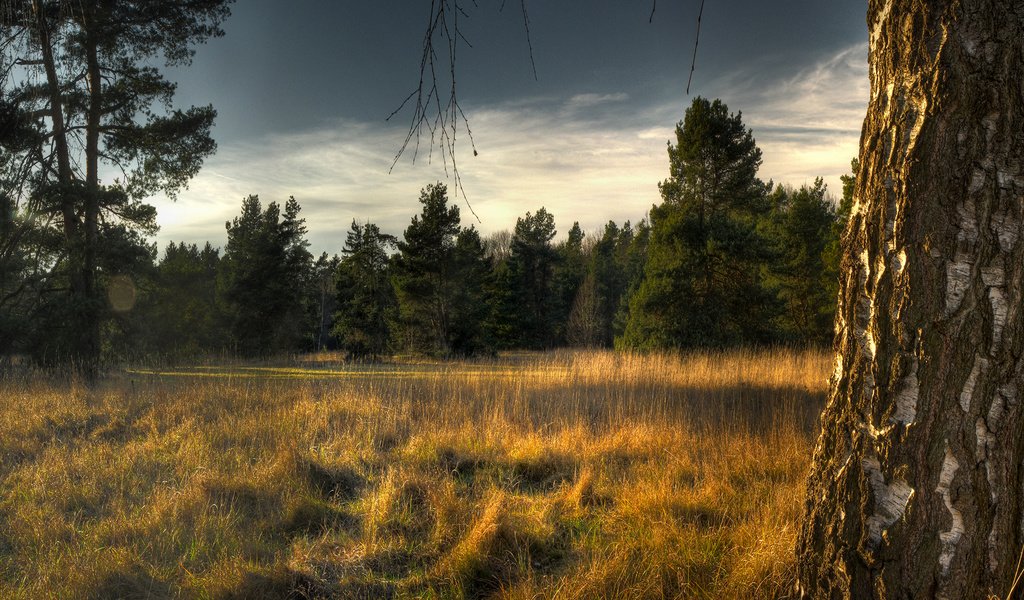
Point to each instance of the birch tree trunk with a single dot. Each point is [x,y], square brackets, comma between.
[916,485]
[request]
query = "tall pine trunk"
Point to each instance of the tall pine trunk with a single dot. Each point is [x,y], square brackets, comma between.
[83,326]
[916,486]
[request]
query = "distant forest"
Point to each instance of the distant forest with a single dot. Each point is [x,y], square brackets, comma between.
[724,260]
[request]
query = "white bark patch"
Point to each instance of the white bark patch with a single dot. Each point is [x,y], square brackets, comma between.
[837,371]
[1009,393]
[921,112]
[978,178]
[980,364]
[958,271]
[968,214]
[1009,181]
[890,500]
[1006,228]
[997,299]
[989,122]
[906,398]
[986,444]
[951,537]
[899,261]
[995,413]
[876,27]
[958,278]
[970,44]
[879,270]
[870,346]
[993,558]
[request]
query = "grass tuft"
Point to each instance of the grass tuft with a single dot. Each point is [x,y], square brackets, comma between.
[560,475]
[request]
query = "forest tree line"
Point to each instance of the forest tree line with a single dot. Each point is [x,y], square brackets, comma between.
[724,260]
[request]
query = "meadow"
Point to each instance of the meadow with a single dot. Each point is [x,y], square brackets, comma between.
[556,475]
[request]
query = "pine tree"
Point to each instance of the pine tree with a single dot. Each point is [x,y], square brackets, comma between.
[264,274]
[423,273]
[365,297]
[801,228]
[87,93]
[532,264]
[702,284]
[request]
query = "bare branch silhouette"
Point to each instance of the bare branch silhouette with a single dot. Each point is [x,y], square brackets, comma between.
[437,116]
[696,42]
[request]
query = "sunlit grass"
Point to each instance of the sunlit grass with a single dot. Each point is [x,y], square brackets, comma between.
[564,475]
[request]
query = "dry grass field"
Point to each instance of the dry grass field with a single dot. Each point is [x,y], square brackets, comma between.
[561,475]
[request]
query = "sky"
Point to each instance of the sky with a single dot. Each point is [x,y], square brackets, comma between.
[303,89]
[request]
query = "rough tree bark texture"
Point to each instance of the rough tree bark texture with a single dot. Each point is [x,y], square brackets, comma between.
[916,486]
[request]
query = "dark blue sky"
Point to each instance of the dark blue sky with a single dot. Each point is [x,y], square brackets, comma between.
[302,89]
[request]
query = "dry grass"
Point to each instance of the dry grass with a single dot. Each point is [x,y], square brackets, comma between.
[567,475]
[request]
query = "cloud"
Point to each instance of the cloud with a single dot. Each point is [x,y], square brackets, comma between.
[591,157]
[581,101]
[808,124]
[530,155]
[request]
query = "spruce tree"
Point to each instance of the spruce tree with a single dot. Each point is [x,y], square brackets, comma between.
[469,335]
[570,273]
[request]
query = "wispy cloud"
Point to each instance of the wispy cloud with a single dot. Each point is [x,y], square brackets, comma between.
[528,157]
[580,101]
[591,158]
[808,124]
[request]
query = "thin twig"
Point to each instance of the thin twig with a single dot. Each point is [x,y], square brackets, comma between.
[696,42]
[529,40]
[433,116]
[1018,574]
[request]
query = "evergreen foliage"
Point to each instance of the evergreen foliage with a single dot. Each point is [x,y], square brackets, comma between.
[263,278]
[469,335]
[439,277]
[324,299]
[365,297]
[531,271]
[802,225]
[724,260]
[702,280]
[185,316]
[81,91]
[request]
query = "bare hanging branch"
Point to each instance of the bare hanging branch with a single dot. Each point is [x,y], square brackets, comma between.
[696,42]
[436,112]
[529,39]
[440,118]
[437,116]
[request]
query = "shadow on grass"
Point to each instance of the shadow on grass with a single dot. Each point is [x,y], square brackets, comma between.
[340,483]
[312,517]
[133,583]
[758,409]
